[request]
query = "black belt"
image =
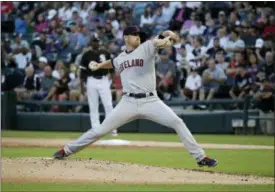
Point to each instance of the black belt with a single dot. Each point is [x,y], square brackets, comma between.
[97,77]
[139,95]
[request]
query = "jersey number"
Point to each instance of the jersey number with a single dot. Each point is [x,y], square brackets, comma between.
[102,58]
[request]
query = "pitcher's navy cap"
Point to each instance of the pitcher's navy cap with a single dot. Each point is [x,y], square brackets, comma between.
[132,30]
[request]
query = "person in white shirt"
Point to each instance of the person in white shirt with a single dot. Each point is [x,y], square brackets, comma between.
[221,33]
[169,9]
[234,44]
[192,85]
[66,12]
[197,54]
[193,4]
[22,58]
[58,66]
[19,43]
[112,18]
[84,11]
[148,17]
[198,28]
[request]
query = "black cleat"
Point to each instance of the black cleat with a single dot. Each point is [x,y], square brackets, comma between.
[208,162]
[59,154]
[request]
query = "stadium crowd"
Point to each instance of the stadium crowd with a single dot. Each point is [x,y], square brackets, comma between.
[227,49]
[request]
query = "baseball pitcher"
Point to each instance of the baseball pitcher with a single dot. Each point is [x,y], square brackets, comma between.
[137,70]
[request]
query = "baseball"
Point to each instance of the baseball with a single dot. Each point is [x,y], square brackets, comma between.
[93,65]
[169,43]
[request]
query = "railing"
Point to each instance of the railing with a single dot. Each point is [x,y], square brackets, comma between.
[246,103]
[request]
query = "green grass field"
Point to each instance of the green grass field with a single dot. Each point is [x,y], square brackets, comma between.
[110,187]
[219,139]
[250,162]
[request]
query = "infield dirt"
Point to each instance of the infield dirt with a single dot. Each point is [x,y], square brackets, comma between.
[94,171]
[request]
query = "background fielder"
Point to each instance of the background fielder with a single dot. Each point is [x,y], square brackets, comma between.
[97,83]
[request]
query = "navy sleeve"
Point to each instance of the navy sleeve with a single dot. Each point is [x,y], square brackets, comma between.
[112,61]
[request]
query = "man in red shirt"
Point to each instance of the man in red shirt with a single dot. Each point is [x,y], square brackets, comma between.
[6,7]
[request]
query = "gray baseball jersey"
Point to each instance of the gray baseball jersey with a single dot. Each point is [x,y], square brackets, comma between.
[137,70]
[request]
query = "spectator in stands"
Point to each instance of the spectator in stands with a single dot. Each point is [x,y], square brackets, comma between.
[42,62]
[60,90]
[30,85]
[166,72]
[192,85]
[269,65]
[269,30]
[25,7]
[250,36]
[58,66]
[19,43]
[253,66]
[65,13]
[112,18]
[234,19]
[181,58]
[109,32]
[234,44]
[210,31]
[20,25]
[39,43]
[221,19]
[220,60]
[232,70]
[119,13]
[221,34]
[161,21]
[84,11]
[147,19]
[6,8]
[183,66]
[243,82]
[41,24]
[197,28]
[76,18]
[212,78]
[47,82]
[22,57]
[53,46]
[168,9]
[198,53]
[75,93]
[75,38]
[259,45]
[188,23]
[215,49]
[101,7]
[181,14]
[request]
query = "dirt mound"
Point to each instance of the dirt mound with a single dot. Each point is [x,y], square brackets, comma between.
[93,171]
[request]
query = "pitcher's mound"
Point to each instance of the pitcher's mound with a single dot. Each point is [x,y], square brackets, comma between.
[94,171]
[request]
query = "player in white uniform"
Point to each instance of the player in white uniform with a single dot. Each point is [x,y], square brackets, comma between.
[97,83]
[137,70]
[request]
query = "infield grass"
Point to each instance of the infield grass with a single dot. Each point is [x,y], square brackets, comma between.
[205,138]
[112,187]
[251,162]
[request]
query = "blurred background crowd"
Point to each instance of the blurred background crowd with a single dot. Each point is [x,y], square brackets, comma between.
[227,49]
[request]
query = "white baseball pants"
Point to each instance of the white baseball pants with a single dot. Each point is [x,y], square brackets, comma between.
[128,109]
[99,88]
